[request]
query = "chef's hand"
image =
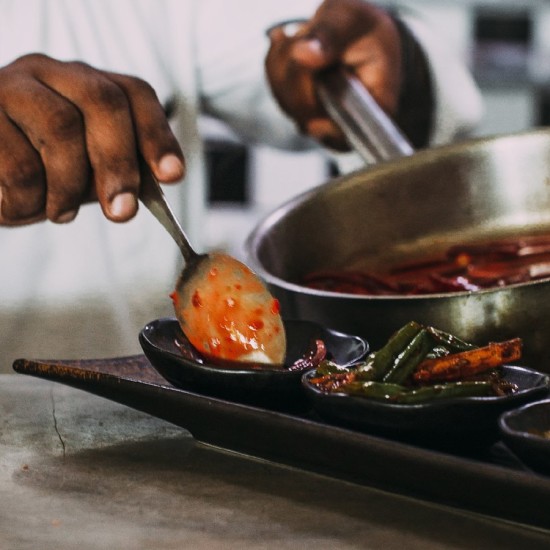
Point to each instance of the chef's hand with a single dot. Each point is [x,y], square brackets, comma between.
[354,33]
[70,134]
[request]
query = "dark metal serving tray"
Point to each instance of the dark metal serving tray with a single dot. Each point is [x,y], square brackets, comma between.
[486,482]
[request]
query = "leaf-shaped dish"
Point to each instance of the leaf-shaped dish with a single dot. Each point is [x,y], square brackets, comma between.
[459,417]
[178,362]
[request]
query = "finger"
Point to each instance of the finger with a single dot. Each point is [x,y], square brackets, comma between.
[8,221]
[53,126]
[155,139]
[309,52]
[378,67]
[291,83]
[277,59]
[108,133]
[22,178]
[360,36]
[327,133]
[337,24]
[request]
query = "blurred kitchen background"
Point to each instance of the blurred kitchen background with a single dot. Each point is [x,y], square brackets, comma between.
[506,44]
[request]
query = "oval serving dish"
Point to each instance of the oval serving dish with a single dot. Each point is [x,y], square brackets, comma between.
[440,419]
[280,387]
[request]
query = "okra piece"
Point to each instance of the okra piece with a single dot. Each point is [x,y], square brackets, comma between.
[384,359]
[407,361]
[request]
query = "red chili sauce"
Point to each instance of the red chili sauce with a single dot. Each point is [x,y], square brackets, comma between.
[464,267]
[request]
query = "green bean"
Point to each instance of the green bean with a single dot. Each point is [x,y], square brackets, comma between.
[328,367]
[374,390]
[450,341]
[384,359]
[413,354]
[362,370]
[396,393]
[385,375]
[445,391]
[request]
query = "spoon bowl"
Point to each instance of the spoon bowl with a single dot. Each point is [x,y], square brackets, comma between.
[223,308]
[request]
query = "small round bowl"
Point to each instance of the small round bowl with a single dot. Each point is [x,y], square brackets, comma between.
[177,361]
[526,431]
[460,418]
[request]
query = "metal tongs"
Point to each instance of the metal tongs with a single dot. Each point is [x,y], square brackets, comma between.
[368,129]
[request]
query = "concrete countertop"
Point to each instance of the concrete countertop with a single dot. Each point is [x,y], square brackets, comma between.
[78,471]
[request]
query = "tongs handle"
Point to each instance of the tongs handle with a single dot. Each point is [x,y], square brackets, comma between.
[369,130]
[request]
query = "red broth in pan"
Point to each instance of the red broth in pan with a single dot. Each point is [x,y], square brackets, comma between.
[463,267]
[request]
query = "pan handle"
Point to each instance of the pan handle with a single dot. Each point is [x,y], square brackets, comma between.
[369,130]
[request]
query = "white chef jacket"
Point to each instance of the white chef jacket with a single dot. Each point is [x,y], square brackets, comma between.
[85,289]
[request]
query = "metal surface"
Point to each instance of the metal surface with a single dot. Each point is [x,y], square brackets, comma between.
[411,207]
[81,472]
[366,126]
[486,483]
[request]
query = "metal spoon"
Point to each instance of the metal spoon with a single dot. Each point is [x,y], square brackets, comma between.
[224,309]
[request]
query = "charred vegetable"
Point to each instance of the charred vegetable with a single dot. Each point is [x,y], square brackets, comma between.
[420,364]
[468,363]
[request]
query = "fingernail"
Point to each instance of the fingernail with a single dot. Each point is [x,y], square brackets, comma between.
[67,217]
[123,206]
[171,168]
[313,44]
[309,51]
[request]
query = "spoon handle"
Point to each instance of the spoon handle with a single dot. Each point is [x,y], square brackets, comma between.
[153,198]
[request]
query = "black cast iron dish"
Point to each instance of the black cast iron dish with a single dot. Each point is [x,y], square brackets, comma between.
[526,431]
[170,353]
[460,418]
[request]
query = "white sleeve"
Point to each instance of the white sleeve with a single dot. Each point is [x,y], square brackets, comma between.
[231,48]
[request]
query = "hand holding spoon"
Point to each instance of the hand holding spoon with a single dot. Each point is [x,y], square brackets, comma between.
[224,309]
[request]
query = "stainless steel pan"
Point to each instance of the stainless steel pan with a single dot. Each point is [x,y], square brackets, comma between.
[415,205]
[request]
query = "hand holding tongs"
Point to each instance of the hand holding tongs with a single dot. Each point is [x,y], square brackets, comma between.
[369,130]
